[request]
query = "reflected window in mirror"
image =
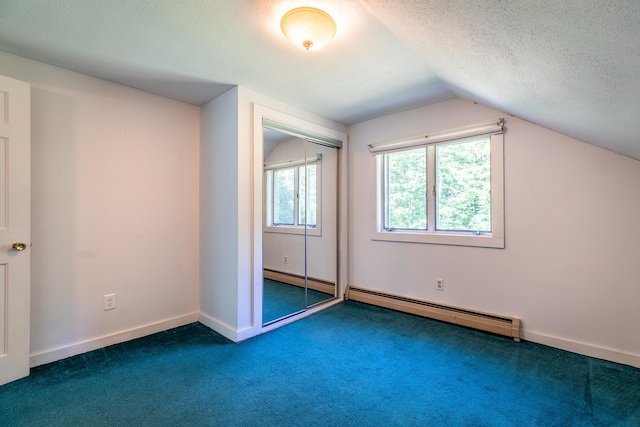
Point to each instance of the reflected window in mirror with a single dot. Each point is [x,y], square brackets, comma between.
[287,202]
[288,209]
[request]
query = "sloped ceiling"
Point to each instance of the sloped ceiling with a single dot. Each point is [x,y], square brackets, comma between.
[572,66]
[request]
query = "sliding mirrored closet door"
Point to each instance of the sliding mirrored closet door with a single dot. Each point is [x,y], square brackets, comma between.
[300,223]
[322,223]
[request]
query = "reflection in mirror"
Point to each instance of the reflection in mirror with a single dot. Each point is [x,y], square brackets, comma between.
[299,224]
[322,227]
[283,236]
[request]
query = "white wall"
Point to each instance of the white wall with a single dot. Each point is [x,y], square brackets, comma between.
[115,198]
[219,268]
[571,264]
[229,294]
[114,209]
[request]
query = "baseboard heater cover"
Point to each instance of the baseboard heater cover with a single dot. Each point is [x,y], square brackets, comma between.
[501,325]
[316,284]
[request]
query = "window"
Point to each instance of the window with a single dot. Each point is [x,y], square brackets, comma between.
[405,189]
[287,205]
[449,191]
[284,196]
[289,196]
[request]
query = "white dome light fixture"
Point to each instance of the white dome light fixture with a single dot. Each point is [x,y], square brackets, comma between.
[308,28]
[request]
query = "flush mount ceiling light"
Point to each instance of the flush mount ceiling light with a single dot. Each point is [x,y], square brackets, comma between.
[308,28]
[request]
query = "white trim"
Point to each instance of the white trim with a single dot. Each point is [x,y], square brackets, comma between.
[306,313]
[487,128]
[291,126]
[52,355]
[584,349]
[439,238]
[311,129]
[226,330]
[293,162]
[294,229]
[495,239]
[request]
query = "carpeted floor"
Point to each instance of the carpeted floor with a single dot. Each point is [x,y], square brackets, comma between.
[280,299]
[350,365]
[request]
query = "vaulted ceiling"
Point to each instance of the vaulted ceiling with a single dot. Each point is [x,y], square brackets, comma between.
[572,66]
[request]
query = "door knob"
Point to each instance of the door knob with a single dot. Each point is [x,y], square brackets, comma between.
[19,246]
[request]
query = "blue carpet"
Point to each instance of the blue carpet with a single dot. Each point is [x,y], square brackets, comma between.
[280,299]
[350,365]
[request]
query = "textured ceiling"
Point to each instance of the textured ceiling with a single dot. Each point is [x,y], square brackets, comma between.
[570,65]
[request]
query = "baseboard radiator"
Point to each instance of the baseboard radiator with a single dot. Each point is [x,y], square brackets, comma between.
[493,323]
[297,280]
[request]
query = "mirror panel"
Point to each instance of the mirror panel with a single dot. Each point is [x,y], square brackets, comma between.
[284,292]
[300,223]
[321,236]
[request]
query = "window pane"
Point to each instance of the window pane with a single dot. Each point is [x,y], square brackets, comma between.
[463,175]
[311,219]
[283,193]
[406,190]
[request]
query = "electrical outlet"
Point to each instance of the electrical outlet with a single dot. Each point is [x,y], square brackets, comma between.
[286,259]
[440,284]
[109,302]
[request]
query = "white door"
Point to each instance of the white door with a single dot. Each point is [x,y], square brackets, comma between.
[15,179]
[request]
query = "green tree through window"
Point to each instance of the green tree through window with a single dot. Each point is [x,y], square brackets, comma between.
[302,184]
[464,186]
[289,194]
[406,190]
[461,193]
[283,196]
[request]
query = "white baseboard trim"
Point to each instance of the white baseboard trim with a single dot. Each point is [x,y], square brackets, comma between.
[246,333]
[48,356]
[584,349]
[219,327]
[226,330]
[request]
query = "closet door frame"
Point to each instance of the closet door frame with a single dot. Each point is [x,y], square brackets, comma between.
[312,131]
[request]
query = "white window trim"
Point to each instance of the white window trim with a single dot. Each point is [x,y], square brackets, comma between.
[293,229]
[494,240]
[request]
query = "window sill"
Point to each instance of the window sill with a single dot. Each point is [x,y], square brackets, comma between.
[482,241]
[283,229]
